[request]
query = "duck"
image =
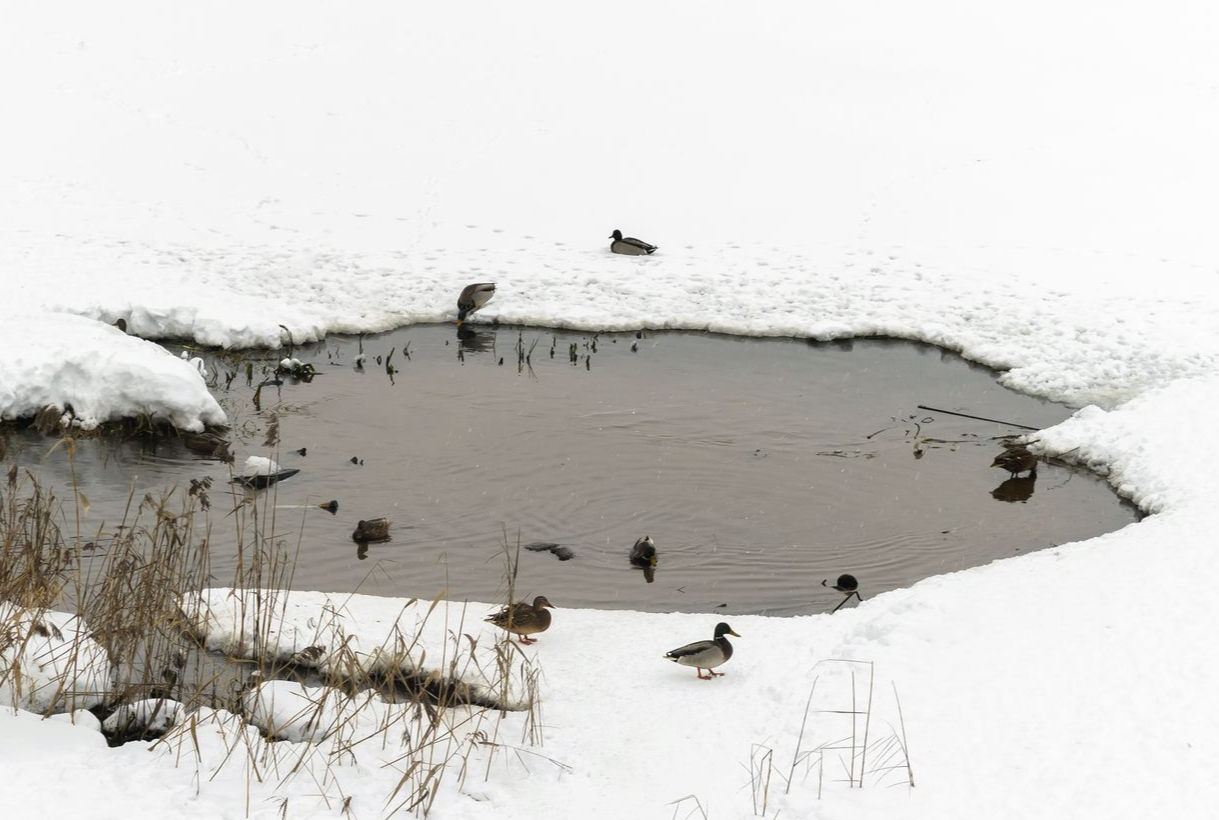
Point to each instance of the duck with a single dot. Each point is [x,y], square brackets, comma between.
[706,654]
[524,619]
[473,298]
[375,529]
[629,245]
[643,554]
[848,585]
[1016,460]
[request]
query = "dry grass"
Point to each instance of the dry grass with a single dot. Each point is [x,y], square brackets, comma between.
[128,582]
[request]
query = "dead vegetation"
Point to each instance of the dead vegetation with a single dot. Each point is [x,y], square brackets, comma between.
[131,582]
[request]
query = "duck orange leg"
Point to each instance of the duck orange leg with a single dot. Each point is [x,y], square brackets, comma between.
[526,639]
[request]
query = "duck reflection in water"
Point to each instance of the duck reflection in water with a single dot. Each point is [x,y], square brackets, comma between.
[1015,489]
[361,550]
[475,341]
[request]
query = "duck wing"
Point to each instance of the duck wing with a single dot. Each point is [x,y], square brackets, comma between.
[700,653]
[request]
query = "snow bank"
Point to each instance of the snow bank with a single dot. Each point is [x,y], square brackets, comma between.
[49,662]
[102,374]
[1032,190]
[338,634]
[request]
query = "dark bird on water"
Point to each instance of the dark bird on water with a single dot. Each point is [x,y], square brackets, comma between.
[1016,461]
[848,585]
[472,299]
[629,245]
[706,654]
[374,529]
[524,619]
[643,554]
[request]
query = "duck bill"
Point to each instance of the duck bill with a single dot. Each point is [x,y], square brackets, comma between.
[734,634]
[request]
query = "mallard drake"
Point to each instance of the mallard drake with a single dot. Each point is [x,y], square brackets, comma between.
[643,554]
[375,529]
[705,654]
[472,299]
[522,619]
[848,585]
[1016,461]
[629,245]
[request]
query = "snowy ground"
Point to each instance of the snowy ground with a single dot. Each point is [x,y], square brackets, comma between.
[1032,187]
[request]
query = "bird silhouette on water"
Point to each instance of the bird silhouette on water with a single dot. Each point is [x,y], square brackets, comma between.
[848,585]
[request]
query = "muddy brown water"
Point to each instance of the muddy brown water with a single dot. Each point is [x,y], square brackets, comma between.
[758,466]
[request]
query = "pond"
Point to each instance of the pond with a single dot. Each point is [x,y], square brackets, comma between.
[759,467]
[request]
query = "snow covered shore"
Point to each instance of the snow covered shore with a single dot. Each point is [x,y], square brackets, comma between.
[1033,188]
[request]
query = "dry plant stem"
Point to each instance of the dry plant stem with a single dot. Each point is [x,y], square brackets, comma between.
[800,738]
[905,745]
[863,763]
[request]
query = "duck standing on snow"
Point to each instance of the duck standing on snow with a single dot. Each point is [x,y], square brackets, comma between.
[1016,461]
[706,654]
[629,245]
[523,619]
[472,299]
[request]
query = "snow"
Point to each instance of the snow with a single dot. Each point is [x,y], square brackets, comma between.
[49,662]
[102,374]
[1031,189]
[146,715]
[259,465]
[340,633]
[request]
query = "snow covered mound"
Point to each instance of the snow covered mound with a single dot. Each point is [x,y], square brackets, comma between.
[49,663]
[99,372]
[341,634]
[259,465]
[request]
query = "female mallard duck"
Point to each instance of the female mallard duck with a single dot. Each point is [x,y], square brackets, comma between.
[1016,461]
[643,554]
[524,619]
[375,529]
[472,298]
[629,245]
[705,654]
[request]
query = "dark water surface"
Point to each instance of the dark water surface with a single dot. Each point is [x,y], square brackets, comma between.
[758,466]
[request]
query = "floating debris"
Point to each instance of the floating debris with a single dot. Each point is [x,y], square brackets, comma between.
[260,473]
[563,553]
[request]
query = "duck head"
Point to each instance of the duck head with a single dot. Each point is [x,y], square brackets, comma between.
[647,549]
[722,629]
[617,234]
[540,602]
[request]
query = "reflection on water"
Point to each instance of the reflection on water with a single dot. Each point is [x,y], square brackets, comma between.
[1015,489]
[759,466]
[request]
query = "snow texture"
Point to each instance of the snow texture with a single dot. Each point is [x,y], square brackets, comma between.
[49,662]
[338,633]
[99,372]
[1031,189]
